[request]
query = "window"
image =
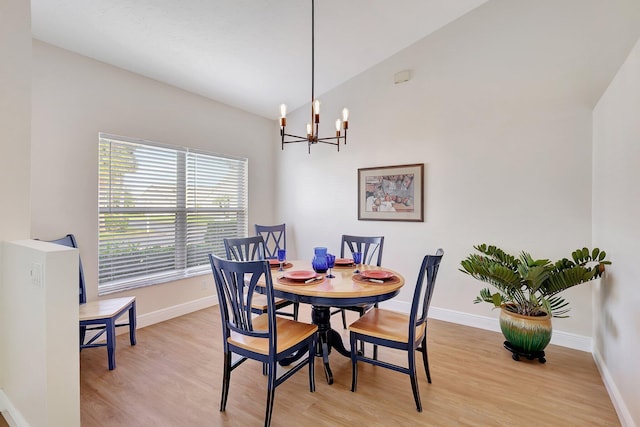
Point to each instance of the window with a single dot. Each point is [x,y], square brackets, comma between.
[163,209]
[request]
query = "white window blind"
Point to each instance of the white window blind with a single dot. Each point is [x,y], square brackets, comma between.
[163,209]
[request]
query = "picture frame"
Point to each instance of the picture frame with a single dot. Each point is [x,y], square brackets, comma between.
[391,193]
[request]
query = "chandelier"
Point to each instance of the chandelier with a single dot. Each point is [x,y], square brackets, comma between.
[312,136]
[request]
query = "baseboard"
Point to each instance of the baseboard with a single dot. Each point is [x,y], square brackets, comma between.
[13,417]
[626,420]
[158,316]
[564,339]
[167,313]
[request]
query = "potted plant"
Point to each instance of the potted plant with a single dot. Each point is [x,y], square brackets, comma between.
[528,291]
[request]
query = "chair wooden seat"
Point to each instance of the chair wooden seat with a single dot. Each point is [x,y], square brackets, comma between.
[385,324]
[101,309]
[289,332]
[259,303]
[101,316]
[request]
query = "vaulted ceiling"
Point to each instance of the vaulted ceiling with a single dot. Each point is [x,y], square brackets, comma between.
[252,54]
[256,54]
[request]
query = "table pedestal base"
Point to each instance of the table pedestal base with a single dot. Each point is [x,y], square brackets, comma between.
[327,339]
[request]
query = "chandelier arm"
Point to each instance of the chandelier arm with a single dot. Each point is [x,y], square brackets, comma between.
[304,138]
[337,138]
[297,140]
[330,138]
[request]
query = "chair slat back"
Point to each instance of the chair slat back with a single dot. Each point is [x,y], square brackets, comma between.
[235,285]
[369,246]
[70,241]
[422,294]
[275,237]
[245,248]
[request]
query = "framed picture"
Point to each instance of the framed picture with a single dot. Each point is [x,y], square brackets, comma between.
[391,193]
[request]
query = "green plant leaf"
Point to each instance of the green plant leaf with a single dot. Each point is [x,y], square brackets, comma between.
[486,296]
[559,307]
[566,279]
[497,299]
[530,284]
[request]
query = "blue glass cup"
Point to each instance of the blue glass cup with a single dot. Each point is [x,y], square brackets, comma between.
[331,261]
[319,261]
[282,256]
[357,259]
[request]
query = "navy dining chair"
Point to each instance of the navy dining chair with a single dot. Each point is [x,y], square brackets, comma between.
[266,338]
[275,237]
[371,249]
[252,248]
[245,248]
[101,315]
[399,331]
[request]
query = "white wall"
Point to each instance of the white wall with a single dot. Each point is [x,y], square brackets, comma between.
[15,104]
[616,210]
[42,381]
[74,98]
[506,147]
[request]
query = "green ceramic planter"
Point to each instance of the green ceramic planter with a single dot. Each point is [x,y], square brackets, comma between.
[527,333]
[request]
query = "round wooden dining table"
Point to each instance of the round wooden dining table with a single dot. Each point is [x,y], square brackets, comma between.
[345,289]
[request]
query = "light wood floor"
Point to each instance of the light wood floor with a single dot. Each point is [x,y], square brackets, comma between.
[173,376]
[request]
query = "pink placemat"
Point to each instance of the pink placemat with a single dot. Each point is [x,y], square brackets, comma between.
[391,281]
[290,282]
[352,265]
[277,266]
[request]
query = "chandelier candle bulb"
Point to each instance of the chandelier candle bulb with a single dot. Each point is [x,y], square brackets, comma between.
[309,130]
[283,115]
[316,111]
